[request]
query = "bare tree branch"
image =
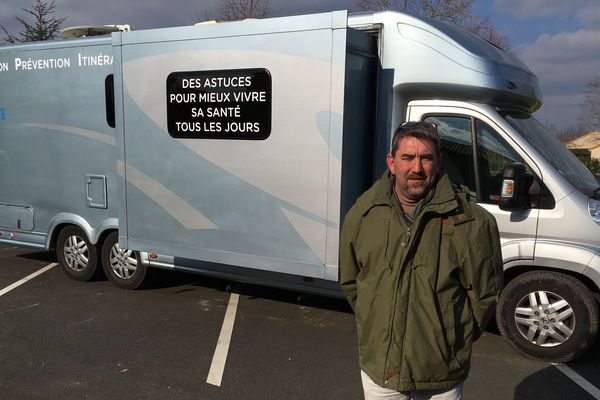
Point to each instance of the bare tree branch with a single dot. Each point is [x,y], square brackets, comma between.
[591,105]
[242,9]
[483,28]
[8,38]
[457,12]
[380,5]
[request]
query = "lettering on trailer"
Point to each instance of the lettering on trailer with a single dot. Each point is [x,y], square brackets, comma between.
[2,117]
[225,104]
[30,64]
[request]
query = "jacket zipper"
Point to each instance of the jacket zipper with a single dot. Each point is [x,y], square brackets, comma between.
[402,267]
[403,345]
[401,273]
[409,246]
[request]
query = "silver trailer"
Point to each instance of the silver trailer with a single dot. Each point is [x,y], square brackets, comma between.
[239,147]
[57,149]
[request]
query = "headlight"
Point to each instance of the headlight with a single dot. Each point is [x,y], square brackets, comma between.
[594,209]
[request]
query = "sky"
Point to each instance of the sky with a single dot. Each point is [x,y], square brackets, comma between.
[558,40]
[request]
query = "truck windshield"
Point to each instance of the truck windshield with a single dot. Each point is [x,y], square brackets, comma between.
[554,152]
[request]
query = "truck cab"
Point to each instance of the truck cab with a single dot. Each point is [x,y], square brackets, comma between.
[549,238]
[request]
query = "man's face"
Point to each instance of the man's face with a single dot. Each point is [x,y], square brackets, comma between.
[415,166]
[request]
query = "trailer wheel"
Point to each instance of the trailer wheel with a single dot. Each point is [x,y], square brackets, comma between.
[122,267]
[548,316]
[77,256]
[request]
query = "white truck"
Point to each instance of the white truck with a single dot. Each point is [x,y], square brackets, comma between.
[235,150]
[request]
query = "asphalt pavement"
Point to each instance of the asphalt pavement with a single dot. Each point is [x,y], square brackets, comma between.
[192,337]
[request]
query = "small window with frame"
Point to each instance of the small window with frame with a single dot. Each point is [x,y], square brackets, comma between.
[109,96]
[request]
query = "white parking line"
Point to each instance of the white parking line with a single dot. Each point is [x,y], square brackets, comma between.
[578,379]
[26,279]
[215,374]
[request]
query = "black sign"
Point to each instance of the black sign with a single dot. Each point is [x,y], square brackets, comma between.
[226,104]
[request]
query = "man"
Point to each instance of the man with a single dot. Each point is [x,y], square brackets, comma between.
[420,264]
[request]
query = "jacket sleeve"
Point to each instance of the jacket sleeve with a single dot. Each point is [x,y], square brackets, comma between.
[482,272]
[349,265]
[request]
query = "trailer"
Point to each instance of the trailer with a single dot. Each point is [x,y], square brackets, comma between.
[235,150]
[57,150]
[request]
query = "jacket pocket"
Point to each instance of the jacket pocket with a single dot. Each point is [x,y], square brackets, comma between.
[371,247]
[432,311]
[457,319]
[429,349]
[373,317]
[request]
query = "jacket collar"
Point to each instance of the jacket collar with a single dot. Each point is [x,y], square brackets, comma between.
[443,201]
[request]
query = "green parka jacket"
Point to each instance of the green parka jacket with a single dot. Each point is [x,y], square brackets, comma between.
[421,295]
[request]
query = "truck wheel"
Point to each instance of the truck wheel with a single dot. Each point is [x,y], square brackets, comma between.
[122,267]
[76,254]
[548,316]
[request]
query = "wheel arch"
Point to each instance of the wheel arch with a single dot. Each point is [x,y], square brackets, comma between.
[95,235]
[514,271]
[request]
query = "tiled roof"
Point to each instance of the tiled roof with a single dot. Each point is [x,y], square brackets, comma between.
[588,141]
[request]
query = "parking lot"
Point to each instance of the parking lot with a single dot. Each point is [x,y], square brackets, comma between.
[190,337]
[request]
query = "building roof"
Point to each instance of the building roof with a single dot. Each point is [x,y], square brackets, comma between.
[588,141]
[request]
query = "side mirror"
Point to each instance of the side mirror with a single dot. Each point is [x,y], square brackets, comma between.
[514,195]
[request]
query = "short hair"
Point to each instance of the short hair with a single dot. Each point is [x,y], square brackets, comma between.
[419,130]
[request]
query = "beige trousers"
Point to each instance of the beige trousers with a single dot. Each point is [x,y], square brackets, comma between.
[375,392]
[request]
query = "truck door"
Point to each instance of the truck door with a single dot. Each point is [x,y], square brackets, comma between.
[474,152]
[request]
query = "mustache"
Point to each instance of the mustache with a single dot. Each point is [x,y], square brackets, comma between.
[415,176]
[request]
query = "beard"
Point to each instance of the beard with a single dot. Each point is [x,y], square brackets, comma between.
[416,187]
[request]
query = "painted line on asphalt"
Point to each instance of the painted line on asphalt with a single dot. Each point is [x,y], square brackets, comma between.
[578,379]
[27,279]
[217,367]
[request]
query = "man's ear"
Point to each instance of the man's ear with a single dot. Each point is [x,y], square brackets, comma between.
[390,163]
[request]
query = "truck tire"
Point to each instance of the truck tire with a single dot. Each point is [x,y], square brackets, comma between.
[122,267]
[548,316]
[76,254]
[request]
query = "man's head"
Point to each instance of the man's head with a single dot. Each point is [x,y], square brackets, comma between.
[415,159]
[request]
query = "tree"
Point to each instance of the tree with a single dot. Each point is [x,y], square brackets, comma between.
[591,105]
[457,12]
[44,27]
[565,134]
[483,28]
[593,165]
[242,9]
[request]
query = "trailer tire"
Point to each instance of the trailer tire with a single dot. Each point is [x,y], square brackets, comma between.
[76,254]
[548,316]
[122,267]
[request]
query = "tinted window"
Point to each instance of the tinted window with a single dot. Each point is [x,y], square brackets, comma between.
[474,155]
[493,154]
[456,140]
[109,96]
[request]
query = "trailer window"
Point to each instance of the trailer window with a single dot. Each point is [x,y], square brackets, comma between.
[109,95]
